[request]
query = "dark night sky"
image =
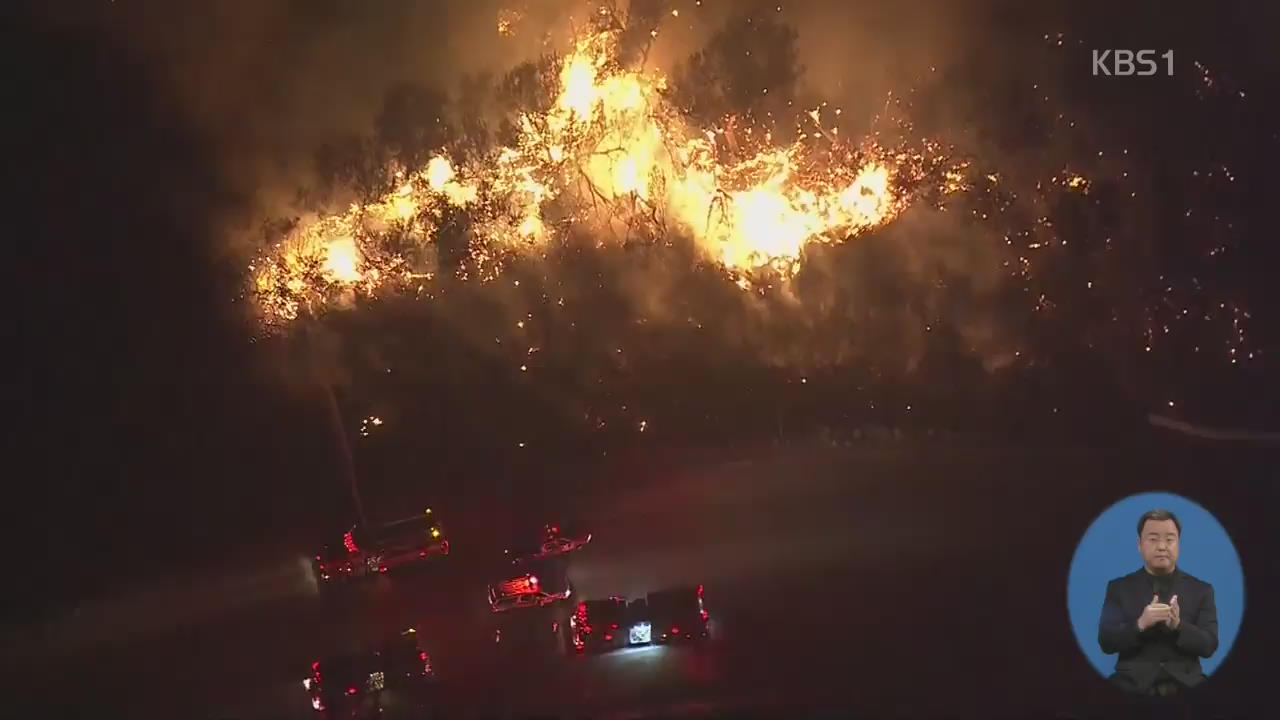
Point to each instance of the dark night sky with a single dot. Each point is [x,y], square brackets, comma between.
[144,412]
[135,390]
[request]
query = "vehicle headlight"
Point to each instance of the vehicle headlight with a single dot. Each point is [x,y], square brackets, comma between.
[640,633]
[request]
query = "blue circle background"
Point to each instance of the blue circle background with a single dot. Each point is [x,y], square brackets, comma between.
[1109,549]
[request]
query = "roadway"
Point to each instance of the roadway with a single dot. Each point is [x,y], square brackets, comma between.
[863,578]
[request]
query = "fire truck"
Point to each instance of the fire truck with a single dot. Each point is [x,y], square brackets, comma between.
[363,551]
[535,584]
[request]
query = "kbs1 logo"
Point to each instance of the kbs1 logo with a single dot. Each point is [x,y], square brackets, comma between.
[1124,63]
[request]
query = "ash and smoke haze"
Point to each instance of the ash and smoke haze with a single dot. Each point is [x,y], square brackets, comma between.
[1083,230]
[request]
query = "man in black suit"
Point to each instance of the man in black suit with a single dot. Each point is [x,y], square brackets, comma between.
[1160,619]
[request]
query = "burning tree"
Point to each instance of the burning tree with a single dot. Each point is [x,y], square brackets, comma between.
[594,145]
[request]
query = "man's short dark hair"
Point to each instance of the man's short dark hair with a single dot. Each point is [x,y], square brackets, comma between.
[1158,515]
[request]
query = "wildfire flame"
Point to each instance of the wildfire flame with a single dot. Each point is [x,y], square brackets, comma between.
[612,156]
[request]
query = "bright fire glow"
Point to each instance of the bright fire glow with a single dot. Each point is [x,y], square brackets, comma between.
[611,157]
